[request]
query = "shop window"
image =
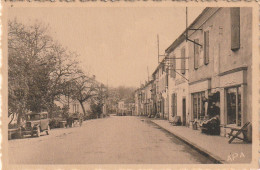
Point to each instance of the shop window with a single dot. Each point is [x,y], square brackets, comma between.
[233,99]
[206,47]
[198,105]
[196,54]
[235,28]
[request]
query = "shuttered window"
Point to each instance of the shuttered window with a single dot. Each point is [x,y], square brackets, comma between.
[166,78]
[206,47]
[196,54]
[183,60]
[172,67]
[235,28]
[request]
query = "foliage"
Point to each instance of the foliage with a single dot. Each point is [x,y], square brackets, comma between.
[83,89]
[117,94]
[38,69]
[98,100]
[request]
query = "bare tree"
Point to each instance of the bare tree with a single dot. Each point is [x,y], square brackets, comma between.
[38,69]
[84,88]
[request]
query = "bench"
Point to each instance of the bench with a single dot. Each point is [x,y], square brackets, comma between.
[238,131]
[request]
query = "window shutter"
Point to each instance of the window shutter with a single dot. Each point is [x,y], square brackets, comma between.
[183,61]
[166,78]
[174,67]
[171,66]
[235,28]
[206,47]
[196,54]
[175,103]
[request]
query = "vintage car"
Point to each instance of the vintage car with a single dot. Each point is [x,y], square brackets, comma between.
[36,123]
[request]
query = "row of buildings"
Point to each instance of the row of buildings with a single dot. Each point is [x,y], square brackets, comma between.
[212,58]
[125,108]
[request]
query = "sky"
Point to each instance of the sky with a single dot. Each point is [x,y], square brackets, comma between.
[116,44]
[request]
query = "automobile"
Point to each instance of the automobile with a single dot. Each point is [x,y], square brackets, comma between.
[36,123]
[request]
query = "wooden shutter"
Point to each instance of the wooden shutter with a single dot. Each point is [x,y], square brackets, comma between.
[235,28]
[166,78]
[206,47]
[183,60]
[171,66]
[175,104]
[196,54]
[174,67]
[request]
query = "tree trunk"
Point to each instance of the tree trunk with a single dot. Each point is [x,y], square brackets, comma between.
[11,119]
[19,117]
[83,108]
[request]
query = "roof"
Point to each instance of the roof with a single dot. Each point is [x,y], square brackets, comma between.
[182,37]
[158,66]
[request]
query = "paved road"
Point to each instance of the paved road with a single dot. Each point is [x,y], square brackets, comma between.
[125,139]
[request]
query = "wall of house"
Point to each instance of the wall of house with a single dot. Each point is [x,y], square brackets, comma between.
[226,68]
[72,103]
[179,84]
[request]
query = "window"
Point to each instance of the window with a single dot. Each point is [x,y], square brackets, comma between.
[166,78]
[233,99]
[206,47]
[174,104]
[196,54]
[198,105]
[235,28]
[183,60]
[75,108]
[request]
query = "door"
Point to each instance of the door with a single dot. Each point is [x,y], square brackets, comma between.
[162,108]
[174,104]
[184,111]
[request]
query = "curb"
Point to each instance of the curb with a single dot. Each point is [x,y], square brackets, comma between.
[201,150]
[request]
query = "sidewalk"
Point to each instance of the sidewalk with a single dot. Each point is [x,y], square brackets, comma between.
[215,147]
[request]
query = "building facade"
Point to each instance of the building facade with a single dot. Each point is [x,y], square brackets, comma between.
[160,76]
[211,61]
[222,65]
[178,77]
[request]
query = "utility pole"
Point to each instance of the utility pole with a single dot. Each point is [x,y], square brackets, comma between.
[68,97]
[158,48]
[186,32]
[148,73]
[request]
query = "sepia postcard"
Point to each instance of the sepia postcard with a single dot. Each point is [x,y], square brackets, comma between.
[130,85]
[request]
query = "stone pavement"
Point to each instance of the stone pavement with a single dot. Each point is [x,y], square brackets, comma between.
[216,147]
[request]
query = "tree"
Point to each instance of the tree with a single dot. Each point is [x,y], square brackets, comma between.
[38,69]
[25,46]
[84,88]
[117,94]
[97,102]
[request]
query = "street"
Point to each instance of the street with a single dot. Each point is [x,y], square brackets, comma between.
[112,140]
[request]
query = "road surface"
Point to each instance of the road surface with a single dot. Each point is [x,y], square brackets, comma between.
[112,140]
